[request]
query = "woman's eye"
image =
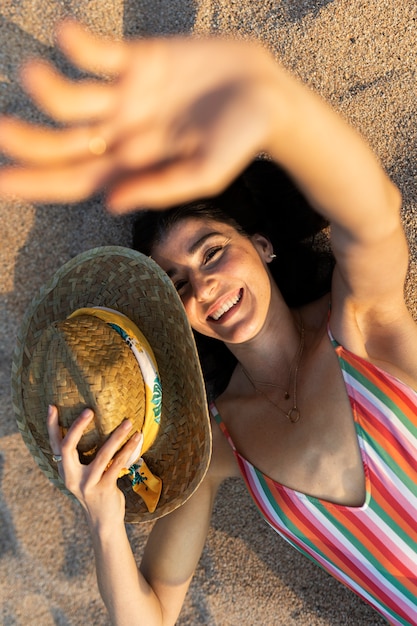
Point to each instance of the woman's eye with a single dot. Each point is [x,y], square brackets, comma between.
[179,285]
[212,253]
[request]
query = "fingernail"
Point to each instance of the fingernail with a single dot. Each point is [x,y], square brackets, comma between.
[136,452]
[137,437]
[50,409]
[87,413]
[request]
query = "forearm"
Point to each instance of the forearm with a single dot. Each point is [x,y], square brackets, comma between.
[153,594]
[128,597]
[330,161]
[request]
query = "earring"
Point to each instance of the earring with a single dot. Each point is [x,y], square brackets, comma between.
[272,256]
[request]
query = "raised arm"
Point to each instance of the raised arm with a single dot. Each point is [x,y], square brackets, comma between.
[180,118]
[344,181]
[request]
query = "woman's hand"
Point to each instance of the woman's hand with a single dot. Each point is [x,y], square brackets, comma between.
[94,485]
[167,120]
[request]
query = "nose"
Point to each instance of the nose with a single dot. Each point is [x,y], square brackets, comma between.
[203,286]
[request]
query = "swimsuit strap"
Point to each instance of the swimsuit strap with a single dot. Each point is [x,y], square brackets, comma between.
[333,341]
[216,415]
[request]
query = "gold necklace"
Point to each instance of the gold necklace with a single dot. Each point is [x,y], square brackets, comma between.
[294,413]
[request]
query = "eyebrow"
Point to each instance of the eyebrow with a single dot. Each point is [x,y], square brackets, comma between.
[195,247]
[200,242]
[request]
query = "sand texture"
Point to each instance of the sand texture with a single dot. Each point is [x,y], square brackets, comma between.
[361,56]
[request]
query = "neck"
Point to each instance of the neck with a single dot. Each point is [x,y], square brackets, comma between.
[275,346]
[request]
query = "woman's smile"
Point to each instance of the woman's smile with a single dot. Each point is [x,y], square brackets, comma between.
[222,311]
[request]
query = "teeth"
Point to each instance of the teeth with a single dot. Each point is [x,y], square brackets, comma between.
[226,306]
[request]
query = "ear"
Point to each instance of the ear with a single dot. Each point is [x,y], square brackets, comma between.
[263,246]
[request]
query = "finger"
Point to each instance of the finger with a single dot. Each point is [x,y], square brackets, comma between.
[71,183]
[200,169]
[98,55]
[147,143]
[39,145]
[105,456]
[169,184]
[125,457]
[155,188]
[65,100]
[54,430]
[76,430]
[134,448]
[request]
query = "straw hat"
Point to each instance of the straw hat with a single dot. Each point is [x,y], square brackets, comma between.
[128,283]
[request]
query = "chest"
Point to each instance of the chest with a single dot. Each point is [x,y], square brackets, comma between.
[319,454]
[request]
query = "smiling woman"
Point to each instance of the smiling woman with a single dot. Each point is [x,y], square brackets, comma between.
[318,411]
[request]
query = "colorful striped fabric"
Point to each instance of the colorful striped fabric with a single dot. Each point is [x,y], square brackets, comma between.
[373,548]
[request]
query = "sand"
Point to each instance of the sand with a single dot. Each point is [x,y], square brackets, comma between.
[361,56]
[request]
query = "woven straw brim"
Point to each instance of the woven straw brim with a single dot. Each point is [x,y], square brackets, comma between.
[84,362]
[131,283]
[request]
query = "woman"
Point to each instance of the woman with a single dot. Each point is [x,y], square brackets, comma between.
[331,467]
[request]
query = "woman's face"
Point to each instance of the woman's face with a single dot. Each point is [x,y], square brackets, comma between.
[220,275]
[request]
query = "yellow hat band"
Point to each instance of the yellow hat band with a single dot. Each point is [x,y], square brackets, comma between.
[146,484]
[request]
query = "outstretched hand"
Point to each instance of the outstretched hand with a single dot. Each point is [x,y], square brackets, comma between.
[94,485]
[163,121]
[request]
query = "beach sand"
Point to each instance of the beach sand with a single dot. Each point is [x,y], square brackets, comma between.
[359,55]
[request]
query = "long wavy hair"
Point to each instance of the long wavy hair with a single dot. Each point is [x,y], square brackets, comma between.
[261,200]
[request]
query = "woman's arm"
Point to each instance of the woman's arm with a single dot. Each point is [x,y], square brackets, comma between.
[178,106]
[345,182]
[154,594]
[180,118]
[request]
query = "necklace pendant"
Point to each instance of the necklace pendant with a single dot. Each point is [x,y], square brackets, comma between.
[293,415]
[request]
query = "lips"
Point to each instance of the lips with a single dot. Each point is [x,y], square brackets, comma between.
[225,307]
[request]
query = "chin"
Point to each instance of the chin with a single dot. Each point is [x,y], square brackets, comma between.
[242,336]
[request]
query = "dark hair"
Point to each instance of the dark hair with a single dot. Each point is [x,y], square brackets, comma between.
[262,200]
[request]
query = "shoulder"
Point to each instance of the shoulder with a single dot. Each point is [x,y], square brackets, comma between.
[385,336]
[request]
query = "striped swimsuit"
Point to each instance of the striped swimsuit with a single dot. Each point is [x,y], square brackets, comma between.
[373,548]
